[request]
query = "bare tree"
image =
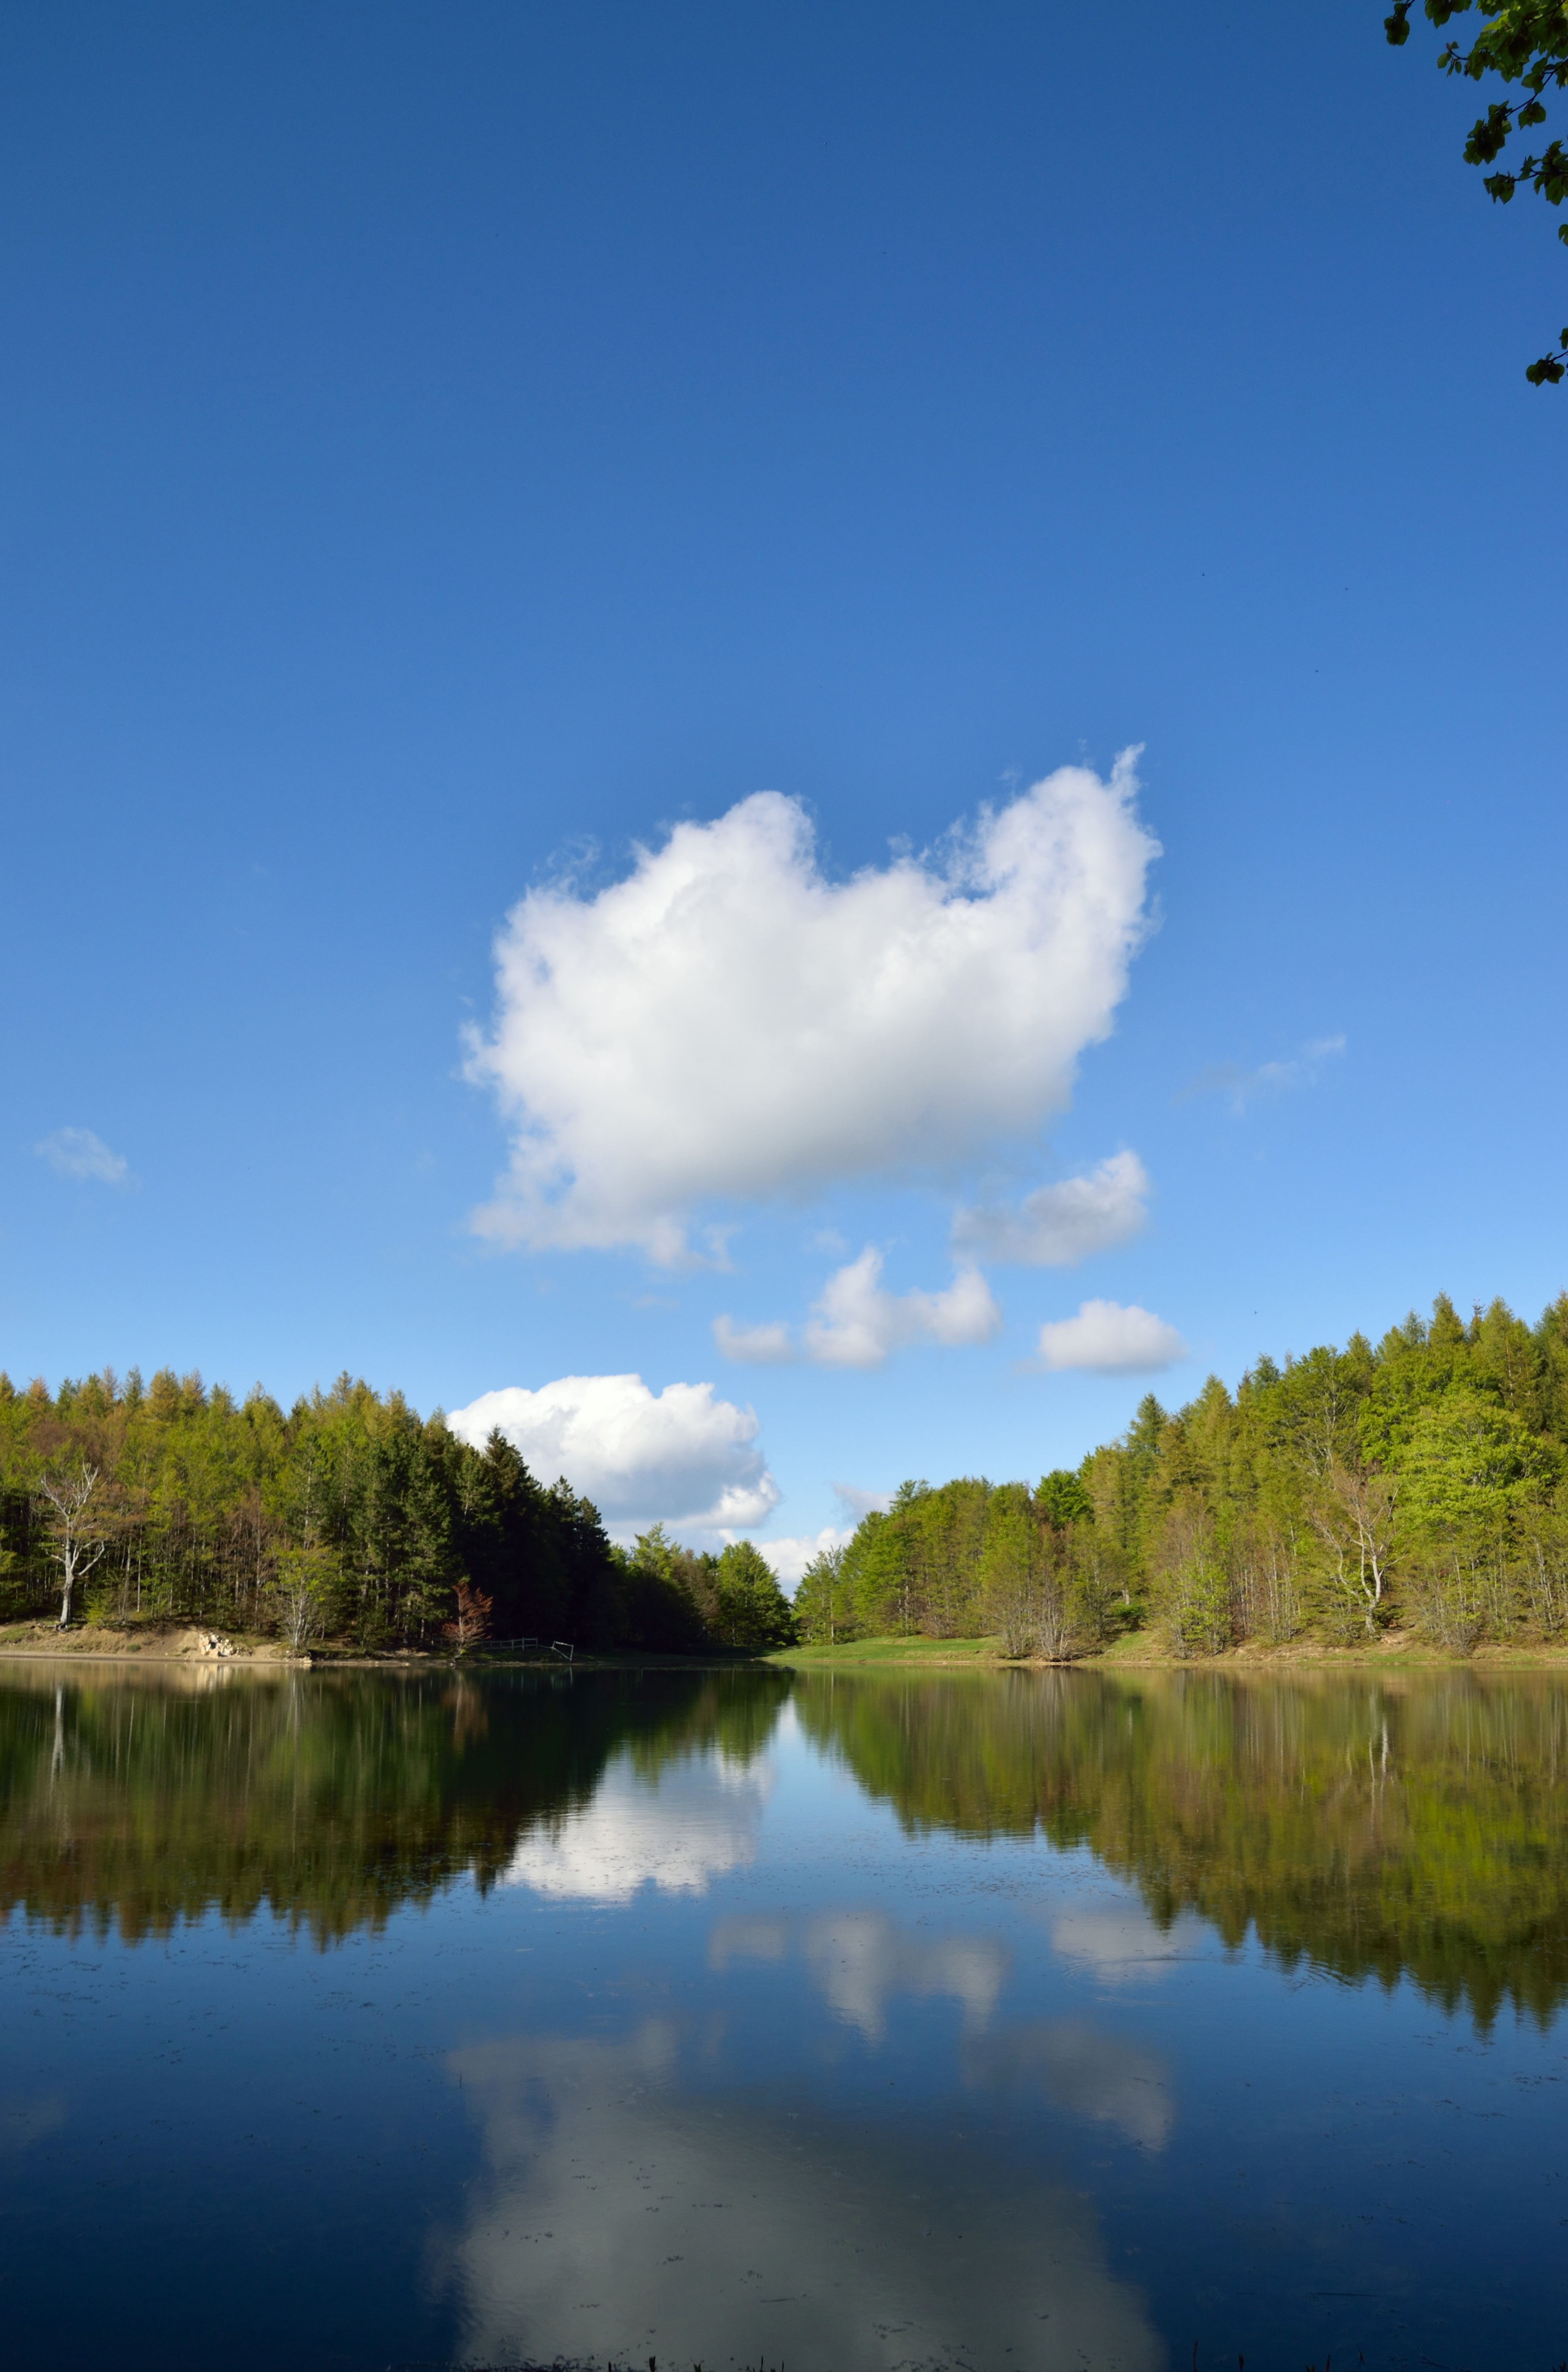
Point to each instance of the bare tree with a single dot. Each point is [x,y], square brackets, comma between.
[1546,1574]
[1265,1582]
[75,1526]
[1352,1515]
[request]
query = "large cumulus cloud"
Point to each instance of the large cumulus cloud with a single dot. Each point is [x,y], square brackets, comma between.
[727,1024]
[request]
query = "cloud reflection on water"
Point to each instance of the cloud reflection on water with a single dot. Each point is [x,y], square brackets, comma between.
[626,2217]
[679,1832]
[860,1958]
[1121,1944]
[1081,2069]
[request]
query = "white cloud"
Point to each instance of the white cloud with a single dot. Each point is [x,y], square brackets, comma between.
[727,1022]
[789,1557]
[1112,1339]
[678,1457]
[1057,1226]
[1243,1087]
[856,1321]
[78,1152]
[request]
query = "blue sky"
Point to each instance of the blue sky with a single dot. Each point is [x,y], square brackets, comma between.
[444,448]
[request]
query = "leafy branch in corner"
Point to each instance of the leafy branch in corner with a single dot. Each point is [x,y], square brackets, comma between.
[1526,43]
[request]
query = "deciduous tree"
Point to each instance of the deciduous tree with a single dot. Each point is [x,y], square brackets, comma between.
[1525,41]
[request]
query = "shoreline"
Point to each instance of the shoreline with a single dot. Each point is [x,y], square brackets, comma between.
[184,1645]
[188,1644]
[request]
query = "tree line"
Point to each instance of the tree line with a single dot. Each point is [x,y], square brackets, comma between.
[348,1517]
[1422,1482]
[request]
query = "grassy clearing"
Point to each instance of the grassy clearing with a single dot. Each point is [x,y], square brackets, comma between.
[910,1650]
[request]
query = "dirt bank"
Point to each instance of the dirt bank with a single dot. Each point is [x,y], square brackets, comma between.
[149,1641]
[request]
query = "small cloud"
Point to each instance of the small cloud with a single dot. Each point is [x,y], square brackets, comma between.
[829,1240]
[78,1152]
[1058,1226]
[1108,1339]
[855,1323]
[790,1557]
[761,1346]
[1243,1087]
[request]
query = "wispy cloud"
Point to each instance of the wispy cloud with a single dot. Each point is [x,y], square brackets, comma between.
[78,1152]
[1242,1088]
[769,1345]
[857,1503]
[856,1322]
[1057,1226]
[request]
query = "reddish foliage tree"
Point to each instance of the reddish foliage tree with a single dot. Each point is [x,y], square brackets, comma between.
[473,1618]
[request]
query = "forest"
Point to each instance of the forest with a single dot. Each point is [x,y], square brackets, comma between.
[1418,1484]
[348,1518]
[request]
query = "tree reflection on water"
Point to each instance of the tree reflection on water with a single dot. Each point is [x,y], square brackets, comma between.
[1376,1828]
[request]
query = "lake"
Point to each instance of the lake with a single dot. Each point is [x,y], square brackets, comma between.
[843,2021]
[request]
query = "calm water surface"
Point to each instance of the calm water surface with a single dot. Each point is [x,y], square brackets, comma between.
[995,2022]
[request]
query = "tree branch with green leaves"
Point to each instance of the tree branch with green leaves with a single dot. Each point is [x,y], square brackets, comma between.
[1526,42]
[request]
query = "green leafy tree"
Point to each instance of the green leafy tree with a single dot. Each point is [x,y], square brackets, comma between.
[824,1604]
[753,1611]
[1525,42]
[1192,1586]
[303,1585]
[1021,1588]
[1063,1498]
